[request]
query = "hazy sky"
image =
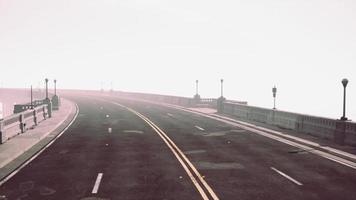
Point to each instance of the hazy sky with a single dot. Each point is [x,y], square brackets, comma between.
[304,48]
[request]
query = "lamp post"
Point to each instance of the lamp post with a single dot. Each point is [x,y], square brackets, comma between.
[344,83]
[31,98]
[222,87]
[55,87]
[196,87]
[46,80]
[274,91]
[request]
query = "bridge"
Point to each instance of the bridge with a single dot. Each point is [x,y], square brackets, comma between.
[125,145]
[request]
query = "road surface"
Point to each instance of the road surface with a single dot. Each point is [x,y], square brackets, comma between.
[120,149]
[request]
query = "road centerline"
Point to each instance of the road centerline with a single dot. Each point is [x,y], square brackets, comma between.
[183,160]
[287,176]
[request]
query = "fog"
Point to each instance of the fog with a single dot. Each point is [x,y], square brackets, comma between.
[304,48]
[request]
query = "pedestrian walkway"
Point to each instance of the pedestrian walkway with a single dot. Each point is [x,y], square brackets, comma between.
[46,130]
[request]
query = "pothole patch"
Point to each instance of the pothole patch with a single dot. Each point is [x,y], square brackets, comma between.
[93,198]
[194,152]
[45,191]
[64,151]
[238,131]
[133,131]
[26,186]
[215,134]
[219,166]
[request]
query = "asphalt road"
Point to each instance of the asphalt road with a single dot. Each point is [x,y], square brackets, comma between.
[154,152]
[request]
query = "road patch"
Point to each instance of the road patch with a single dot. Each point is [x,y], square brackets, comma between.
[219,166]
[133,131]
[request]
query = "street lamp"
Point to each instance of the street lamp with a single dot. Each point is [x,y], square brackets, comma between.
[344,83]
[31,98]
[222,88]
[46,80]
[55,87]
[196,87]
[274,91]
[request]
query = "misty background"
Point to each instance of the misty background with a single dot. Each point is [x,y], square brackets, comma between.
[304,47]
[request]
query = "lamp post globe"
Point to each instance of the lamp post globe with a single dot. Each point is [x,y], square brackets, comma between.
[344,82]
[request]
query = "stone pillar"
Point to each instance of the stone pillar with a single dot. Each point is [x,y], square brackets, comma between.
[340,132]
[55,102]
[44,113]
[220,104]
[22,123]
[35,120]
[1,111]
[49,107]
[196,99]
[3,137]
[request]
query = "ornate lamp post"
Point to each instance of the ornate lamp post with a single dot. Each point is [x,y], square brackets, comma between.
[55,87]
[46,80]
[344,83]
[31,98]
[221,99]
[196,96]
[196,87]
[274,91]
[222,87]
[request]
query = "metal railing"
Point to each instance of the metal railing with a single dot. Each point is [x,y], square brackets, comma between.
[22,107]
[19,123]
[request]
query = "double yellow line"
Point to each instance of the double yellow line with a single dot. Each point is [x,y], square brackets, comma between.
[189,168]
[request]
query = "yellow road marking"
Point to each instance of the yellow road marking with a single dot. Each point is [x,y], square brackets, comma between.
[179,155]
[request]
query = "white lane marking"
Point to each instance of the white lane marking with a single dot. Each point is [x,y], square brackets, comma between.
[314,144]
[109,130]
[200,128]
[169,114]
[180,157]
[107,116]
[44,148]
[255,129]
[287,177]
[97,183]
[270,134]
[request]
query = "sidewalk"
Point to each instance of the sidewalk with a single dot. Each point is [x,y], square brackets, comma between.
[18,149]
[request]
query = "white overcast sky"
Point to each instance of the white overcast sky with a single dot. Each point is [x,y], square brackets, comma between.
[304,47]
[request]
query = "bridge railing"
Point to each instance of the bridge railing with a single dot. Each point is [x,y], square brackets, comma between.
[19,123]
[342,132]
[22,107]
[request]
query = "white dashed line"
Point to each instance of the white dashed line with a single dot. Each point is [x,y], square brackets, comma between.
[97,183]
[200,128]
[169,114]
[287,177]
